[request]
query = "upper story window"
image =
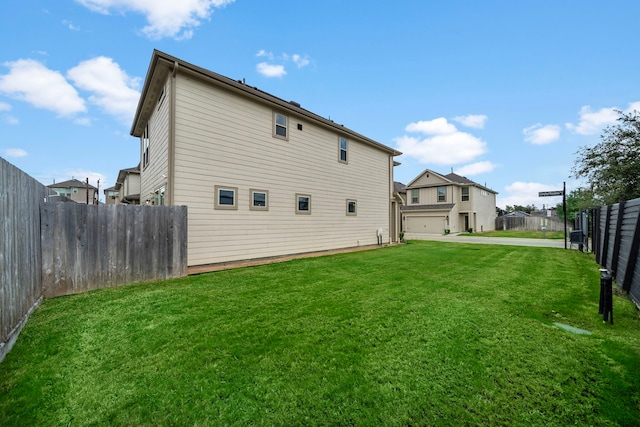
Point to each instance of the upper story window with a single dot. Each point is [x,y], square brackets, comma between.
[465,194]
[226,197]
[442,194]
[342,153]
[145,147]
[280,126]
[303,204]
[259,200]
[415,196]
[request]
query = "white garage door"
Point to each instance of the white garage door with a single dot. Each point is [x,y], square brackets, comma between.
[425,224]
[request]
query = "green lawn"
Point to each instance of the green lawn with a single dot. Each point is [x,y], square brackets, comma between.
[523,234]
[426,333]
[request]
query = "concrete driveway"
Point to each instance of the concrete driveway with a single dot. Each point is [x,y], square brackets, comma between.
[514,241]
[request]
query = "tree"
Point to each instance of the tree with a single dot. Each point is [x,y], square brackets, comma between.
[578,199]
[612,167]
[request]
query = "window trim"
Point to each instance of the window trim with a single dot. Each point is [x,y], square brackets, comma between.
[355,206]
[216,201]
[298,210]
[462,195]
[444,195]
[159,196]
[415,196]
[344,150]
[145,147]
[252,206]
[275,134]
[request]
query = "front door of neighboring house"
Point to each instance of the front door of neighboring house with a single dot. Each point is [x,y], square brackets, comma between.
[466,222]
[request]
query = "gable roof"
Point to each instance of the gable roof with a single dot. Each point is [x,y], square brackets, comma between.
[72,183]
[124,172]
[451,178]
[162,65]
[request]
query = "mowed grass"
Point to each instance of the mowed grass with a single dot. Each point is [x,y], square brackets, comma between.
[427,333]
[523,234]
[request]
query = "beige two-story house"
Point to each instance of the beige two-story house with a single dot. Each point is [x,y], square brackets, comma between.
[440,204]
[261,176]
[128,186]
[76,190]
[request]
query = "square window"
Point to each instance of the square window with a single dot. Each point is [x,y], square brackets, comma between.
[442,194]
[303,204]
[280,126]
[342,154]
[352,208]
[259,200]
[225,197]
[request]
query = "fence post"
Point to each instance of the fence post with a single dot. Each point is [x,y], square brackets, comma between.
[606,296]
[633,256]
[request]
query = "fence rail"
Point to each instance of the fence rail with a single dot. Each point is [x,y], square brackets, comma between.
[616,243]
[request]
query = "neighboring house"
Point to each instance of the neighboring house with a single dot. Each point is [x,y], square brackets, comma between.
[438,204]
[261,176]
[128,186]
[517,214]
[110,196]
[400,193]
[76,190]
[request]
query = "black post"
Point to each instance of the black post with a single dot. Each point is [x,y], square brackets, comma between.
[606,297]
[564,210]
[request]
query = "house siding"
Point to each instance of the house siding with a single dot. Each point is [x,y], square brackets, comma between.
[156,172]
[225,139]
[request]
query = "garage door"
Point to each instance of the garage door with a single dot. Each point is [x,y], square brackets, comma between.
[425,224]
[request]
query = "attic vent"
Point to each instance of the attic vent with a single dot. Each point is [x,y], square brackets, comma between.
[294,103]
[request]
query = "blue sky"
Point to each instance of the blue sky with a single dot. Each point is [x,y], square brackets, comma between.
[503,92]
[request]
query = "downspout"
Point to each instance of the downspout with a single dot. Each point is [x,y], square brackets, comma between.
[172,136]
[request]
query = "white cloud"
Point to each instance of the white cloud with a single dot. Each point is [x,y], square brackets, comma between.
[540,135]
[83,174]
[526,193]
[475,168]
[592,122]
[15,152]
[439,126]
[444,145]
[165,18]
[5,107]
[264,54]
[271,70]
[70,25]
[299,60]
[30,81]
[475,121]
[112,89]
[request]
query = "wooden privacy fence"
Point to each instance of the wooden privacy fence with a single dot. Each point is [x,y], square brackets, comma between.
[616,243]
[529,223]
[50,249]
[87,247]
[20,256]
